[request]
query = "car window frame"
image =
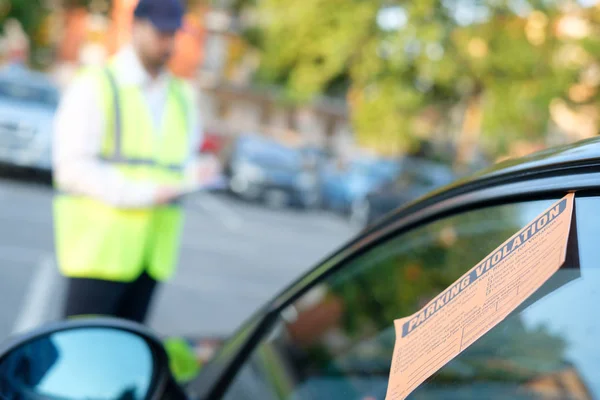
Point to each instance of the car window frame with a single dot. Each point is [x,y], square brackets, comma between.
[543,183]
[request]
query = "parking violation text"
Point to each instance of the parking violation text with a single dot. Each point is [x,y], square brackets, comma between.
[479,300]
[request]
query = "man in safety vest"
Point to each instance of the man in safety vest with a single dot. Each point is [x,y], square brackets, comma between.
[125,140]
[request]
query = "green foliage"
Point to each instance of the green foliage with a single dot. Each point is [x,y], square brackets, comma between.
[29,13]
[435,55]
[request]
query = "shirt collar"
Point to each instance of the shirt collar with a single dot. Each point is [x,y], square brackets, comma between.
[131,71]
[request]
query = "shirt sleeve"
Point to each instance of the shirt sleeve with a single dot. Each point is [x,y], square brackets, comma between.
[79,126]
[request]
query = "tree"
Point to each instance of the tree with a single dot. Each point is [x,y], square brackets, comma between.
[472,71]
[30,13]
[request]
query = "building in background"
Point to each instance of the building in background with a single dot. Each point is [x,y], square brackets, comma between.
[92,32]
[189,46]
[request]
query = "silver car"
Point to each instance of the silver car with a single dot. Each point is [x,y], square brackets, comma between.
[28,102]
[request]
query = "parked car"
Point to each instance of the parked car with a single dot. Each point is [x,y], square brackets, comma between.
[343,184]
[28,102]
[330,335]
[315,156]
[417,177]
[261,169]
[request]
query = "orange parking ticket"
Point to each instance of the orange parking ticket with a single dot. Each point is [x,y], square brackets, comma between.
[479,300]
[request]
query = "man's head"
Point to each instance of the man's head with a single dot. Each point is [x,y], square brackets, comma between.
[155,25]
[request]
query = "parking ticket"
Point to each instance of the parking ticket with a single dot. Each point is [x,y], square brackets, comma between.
[479,300]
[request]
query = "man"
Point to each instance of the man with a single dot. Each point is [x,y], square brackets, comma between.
[124,145]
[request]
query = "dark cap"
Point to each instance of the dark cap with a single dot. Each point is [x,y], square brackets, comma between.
[165,15]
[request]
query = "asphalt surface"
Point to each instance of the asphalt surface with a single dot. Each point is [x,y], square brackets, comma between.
[235,256]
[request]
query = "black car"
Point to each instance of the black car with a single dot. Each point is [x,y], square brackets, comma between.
[263,170]
[331,334]
[417,177]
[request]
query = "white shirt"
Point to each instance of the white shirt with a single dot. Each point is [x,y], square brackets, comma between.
[79,127]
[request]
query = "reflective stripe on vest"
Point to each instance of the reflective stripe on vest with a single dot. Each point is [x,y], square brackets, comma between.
[96,240]
[117,157]
[142,161]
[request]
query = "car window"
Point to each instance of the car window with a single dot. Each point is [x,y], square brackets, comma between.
[18,91]
[336,342]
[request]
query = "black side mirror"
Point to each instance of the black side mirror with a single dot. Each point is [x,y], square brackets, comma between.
[96,358]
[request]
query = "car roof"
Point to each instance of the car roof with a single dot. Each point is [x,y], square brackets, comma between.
[585,150]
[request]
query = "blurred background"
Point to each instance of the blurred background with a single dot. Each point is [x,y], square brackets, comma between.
[326,114]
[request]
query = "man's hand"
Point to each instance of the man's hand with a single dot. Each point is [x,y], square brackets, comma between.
[166,194]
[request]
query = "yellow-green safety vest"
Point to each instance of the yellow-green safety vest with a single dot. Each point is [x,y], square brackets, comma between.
[99,241]
[183,362]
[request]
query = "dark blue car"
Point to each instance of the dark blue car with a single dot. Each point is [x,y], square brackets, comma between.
[342,186]
[261,169]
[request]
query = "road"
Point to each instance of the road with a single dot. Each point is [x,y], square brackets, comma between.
[235,256]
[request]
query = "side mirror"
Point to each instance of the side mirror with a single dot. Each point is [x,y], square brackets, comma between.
[99,358]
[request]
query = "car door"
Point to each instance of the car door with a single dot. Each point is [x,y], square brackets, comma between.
[330,334]
[336,340]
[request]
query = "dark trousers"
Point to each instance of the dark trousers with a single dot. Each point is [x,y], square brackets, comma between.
[128,300]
